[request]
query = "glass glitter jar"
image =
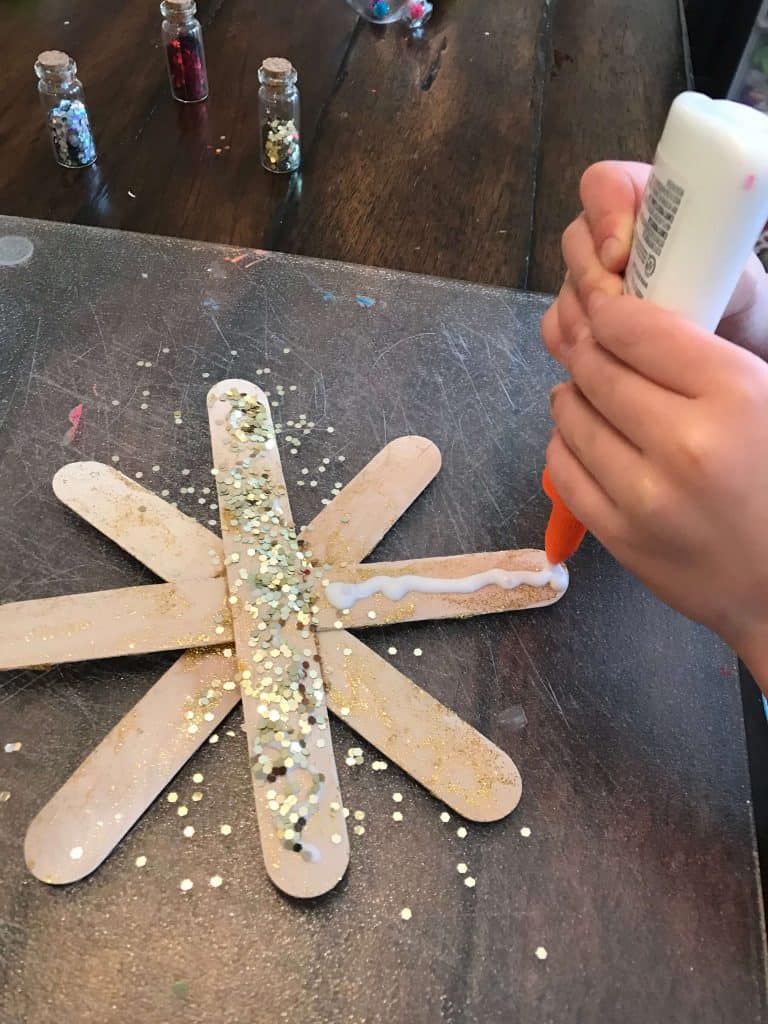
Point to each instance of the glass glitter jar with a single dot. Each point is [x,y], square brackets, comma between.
[63,103]
[182,37]
[279,116]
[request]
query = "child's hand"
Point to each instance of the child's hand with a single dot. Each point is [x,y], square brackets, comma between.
[596,248]
[661,449]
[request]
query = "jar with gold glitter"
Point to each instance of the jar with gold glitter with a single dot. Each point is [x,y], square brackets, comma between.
[279,116]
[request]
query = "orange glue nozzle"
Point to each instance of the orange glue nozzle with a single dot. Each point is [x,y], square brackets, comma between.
[564,531]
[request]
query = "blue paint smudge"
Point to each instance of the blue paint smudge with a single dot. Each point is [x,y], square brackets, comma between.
[328,297]
[210,303]
[365,302]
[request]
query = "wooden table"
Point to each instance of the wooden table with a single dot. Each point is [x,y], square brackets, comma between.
[457,154]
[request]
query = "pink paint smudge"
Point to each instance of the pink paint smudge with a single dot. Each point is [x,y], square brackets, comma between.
[749,181]
[74,417]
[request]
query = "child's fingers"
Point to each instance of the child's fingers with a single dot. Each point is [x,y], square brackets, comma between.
[615,465]
[585,270]
[610,194]
[645,413]
[580,492]
[662,346]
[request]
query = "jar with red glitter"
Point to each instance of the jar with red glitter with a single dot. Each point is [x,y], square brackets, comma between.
[183,42]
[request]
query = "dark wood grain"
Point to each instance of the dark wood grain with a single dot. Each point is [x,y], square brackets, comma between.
[614,70]
[425,154]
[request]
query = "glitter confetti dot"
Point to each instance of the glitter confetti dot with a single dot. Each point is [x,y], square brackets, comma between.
[76,852]
[347,650]
[541,953]
[186,884]
[461,832]
[397,815]
[215,881]
[417,651]
[4,795]
[172,798]
[197,777]
[336,838]
[12,748]
[525,831]
[197,796]
[469,882]
[225,830]
[391,650]
[445,816]
[405,913]
[397,797]
[462,869]
[182,811]
[359,830]
[213,739]
[189,831]
[371,615]
[140,861]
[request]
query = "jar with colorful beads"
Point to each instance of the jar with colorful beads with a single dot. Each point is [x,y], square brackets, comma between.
[63,102]
[182,37]
[279,116]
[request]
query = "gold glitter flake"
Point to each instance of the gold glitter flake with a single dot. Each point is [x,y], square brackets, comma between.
[197,796]
[182,811]
[140,861]
[12,748]
[172,798]
[197,777]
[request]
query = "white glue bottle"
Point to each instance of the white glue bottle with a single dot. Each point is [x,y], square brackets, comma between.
[703,209]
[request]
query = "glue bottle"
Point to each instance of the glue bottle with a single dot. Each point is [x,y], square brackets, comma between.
[704,207]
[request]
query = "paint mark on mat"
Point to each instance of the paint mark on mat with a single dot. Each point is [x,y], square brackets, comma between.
[15,250]
[328,297]
[74,417]
[365,302]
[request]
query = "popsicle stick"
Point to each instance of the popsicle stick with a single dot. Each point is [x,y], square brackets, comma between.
[84,821]
[144,768]
[167,541]
[111,623]
[455,762]
[372,502]
[298,800]
[415,606]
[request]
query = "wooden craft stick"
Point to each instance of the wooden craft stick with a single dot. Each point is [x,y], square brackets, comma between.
[167,541]
[298,800]
[372,502]
[110,623]
[145,764]
[447,756]
[415,606]
[84,821]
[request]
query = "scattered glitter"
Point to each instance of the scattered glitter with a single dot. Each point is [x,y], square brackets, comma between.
[197,777]
[397,797]
[344,711]
[371,615]
[336,838]
[359,815]
[417,652]
[213,739]
[215,881]
[445,816]
[182,811]
[4,795]
[140,861]
[379,766]
[469,882]
[359,830]
[76,852]
[461,832]
[347,650]
[541,953]
[186,884]
[11,748]
[397,815]
[197,795]
[172,798]
[225,830]
[391,650]
[525,831]
[115,458]
[189,831]
[405,913]
[462,869]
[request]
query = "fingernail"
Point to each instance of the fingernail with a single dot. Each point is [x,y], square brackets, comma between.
[554,393]
[613,254]
[595,301]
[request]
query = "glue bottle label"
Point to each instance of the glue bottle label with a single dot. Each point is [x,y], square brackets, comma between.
[661,204]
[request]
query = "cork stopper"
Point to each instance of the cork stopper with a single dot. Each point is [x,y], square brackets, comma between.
[276,71]
[171,7]
[54,62]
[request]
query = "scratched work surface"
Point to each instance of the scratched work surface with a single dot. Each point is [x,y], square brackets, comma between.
[638,876]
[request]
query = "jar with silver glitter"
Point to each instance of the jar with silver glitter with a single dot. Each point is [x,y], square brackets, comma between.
[279,116]
[61,95]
